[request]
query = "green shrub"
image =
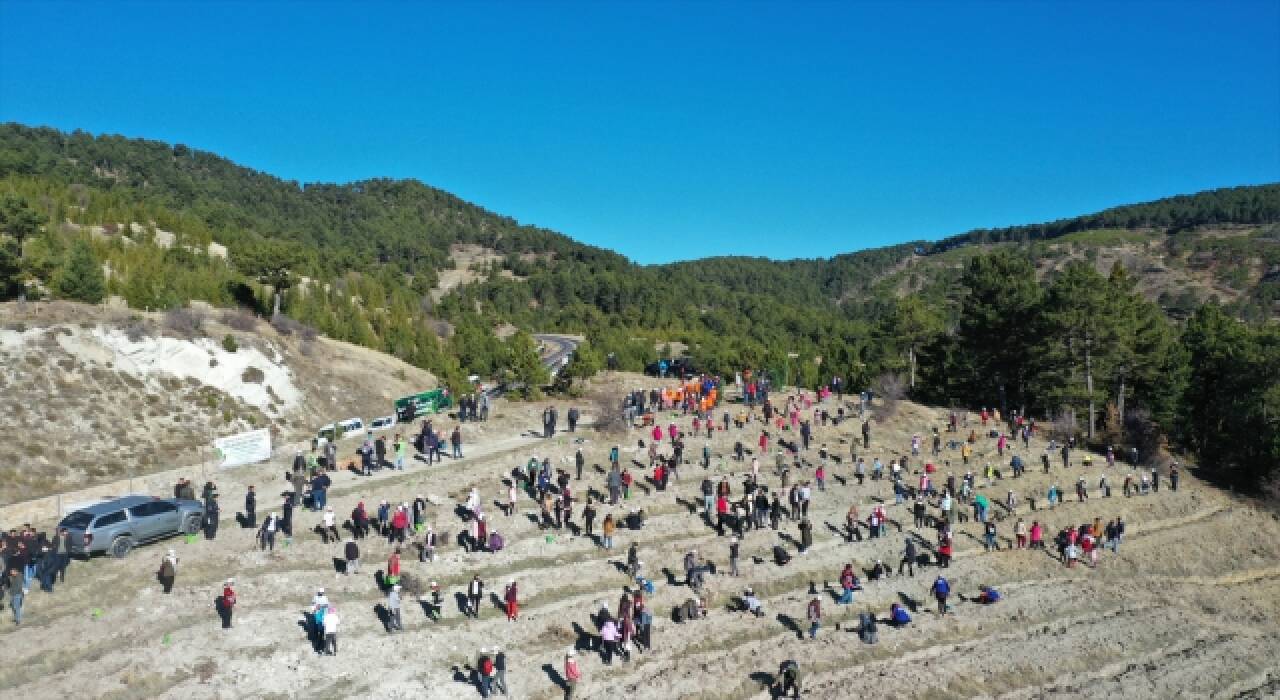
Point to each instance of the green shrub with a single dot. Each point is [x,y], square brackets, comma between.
[229,343]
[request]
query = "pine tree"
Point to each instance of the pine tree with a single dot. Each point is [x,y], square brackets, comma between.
[1082,338]
[993,333]
[10,268]
[910,325]
[524,366]
[80,277]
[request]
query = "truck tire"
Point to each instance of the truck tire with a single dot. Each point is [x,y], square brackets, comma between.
[121,546]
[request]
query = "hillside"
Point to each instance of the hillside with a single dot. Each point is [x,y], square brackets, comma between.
[1188,607]
[413,272]
[100,396]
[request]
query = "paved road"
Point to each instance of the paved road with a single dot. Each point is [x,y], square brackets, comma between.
[555,349]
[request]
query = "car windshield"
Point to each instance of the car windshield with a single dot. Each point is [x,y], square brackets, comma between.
[78,520]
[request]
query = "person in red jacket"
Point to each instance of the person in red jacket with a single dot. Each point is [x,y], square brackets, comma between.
[399,525]
[226,603]
[487,672]
[1088,545]
[944,553]
[572,674]
[764,442]
[393,567]
[722,514]
[513,603]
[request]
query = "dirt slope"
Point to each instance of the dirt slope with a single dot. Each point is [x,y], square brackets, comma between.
[93,395]
[1190,607]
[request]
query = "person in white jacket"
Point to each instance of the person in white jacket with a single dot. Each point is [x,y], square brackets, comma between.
[329,526]
[331,621]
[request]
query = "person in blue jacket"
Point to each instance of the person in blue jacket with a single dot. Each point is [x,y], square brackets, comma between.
[988,595]
[898,616]
[941,589]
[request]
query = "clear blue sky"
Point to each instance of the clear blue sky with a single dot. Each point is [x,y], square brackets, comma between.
[674,130]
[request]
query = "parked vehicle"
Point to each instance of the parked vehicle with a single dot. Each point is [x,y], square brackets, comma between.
[349,427]
[422,403]
[384,423]
[118,525]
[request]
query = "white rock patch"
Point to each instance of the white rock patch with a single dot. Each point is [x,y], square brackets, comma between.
[191,359]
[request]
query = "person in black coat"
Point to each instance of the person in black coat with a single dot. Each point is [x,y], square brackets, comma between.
[211,513]
[250,508]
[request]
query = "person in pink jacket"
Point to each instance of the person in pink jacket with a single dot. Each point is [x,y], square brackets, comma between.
[572,674]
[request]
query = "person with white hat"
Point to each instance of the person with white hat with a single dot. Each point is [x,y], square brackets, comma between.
[752,603]
[320,600]
[572,674]
[500,670]
[328,525]
[437,602]
[315,618]
[226,603]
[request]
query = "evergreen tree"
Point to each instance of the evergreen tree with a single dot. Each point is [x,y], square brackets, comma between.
[1001,298]
[910,325]
[1150,369]
[272,263]
[10,268]
[1232,397]
[1083,338]
[80,277]
[523,364]
[17,219]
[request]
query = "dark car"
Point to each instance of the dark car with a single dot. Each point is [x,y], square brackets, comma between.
[119,524]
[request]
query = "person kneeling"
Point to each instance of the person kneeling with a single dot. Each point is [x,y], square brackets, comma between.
[898,616]
[867,628]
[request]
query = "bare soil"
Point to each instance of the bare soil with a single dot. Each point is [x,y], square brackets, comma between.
[1189,607]
[77,416]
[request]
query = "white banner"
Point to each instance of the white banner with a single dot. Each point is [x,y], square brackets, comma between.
[245,448]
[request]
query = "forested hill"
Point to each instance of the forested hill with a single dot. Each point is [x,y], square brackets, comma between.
[1127,323]
[403,223]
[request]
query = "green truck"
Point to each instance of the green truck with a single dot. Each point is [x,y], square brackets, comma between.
[414,405]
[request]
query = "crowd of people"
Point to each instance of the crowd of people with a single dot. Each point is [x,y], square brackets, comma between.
[768,486]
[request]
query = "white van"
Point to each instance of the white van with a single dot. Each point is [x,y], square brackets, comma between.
[350,427]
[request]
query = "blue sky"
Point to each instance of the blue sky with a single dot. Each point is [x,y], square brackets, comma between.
[678,130]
